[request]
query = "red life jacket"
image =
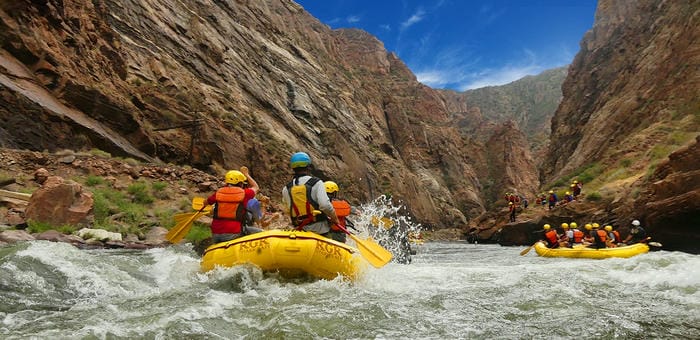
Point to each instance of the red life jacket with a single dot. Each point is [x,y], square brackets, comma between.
[578,236]
[230,204]
[342,210]
[551,237]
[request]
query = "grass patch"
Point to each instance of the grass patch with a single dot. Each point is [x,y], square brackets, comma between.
[93,181]
[40,227]
[199,232]
[594,196]
[659,151]
[100,153]
[589,172]
[139,192]
[111,204]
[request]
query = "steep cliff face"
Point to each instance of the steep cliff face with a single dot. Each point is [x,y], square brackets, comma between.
[221,84]
[631,100]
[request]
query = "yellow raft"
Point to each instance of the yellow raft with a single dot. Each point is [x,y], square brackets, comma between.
[293,254]
[591,253]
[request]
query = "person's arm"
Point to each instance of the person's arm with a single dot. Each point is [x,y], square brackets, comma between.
[211,199]
[252,184]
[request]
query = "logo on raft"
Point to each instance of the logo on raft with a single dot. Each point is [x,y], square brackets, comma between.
[255,245]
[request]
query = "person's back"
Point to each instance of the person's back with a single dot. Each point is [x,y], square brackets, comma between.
[600,237]
[550,236]
[576,235]
[342,210]
[230,205]
[306,200]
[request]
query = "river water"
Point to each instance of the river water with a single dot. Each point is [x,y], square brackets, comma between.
[451,290]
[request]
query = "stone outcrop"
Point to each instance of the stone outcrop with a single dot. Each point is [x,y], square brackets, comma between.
[60,202]
[671,202]
[219,84]
[630,101]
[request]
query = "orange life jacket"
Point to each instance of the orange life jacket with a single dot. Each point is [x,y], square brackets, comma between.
[229,204]
[342,210]
[578,236]
[551,237]
[618,239]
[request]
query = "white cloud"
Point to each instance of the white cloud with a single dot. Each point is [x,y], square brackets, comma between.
[415,18]
[353,19]
[385,27]
[502,76]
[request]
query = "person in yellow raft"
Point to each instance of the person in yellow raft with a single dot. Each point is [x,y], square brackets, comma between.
[343,209]
[306,200]
[230,205]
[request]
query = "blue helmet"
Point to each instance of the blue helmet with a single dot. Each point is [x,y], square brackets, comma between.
[300,160]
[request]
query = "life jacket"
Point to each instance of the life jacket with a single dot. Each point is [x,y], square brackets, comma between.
[552,198]
[229,204]
[578,236]
[617,239]
[600,236]
[302,205]
[551,237]
[342,210]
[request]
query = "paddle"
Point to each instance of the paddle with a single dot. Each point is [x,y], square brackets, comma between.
[197,204]
[184,224]
[527,250]
[384,221]
[375,254]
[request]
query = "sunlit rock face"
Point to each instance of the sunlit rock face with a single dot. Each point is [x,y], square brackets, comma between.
[630,101]
[220,84]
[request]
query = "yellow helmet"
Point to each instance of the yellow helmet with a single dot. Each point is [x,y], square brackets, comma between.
[596,225]
[510,203]
[575,182]
[546,227]
[608,228]
[568,193]
[589,226]
[573,225]
[331,187]
[565,226]
[234,177]
[573,185]
[551,191]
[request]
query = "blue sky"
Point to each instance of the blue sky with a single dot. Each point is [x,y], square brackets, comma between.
[466,44]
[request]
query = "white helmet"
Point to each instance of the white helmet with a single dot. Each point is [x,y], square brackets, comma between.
[635,223]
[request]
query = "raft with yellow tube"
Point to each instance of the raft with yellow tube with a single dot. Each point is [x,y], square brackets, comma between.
[591,253]
[292,254]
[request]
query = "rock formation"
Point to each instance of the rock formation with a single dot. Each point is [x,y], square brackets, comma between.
[220,84]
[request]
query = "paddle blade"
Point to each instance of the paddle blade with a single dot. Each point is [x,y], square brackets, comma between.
[386,222]
[199,202]
[180,230]
[526,250]
[375,254]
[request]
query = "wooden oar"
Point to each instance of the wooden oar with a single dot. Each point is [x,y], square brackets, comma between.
[527,250]
[375,254]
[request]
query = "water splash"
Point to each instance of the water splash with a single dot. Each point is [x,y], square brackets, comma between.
[389,224]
